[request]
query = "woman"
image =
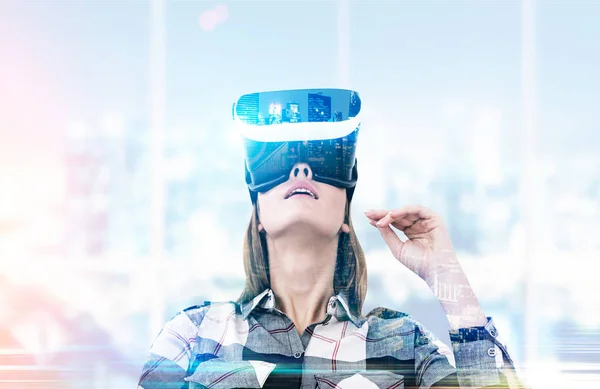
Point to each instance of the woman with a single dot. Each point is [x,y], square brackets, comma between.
[298,322]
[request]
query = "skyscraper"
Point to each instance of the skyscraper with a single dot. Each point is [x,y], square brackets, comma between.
[319,108]
[354,106]
[292,113]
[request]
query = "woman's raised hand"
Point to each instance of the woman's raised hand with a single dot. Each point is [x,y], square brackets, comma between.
[427,251]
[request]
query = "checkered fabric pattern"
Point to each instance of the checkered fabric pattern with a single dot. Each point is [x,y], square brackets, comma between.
[255,345]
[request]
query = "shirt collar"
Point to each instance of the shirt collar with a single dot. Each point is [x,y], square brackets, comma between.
[337,306]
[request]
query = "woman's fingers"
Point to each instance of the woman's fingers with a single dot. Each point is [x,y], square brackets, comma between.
[412,211]
[422,226]
[400,218]
[392,241]
[402,223]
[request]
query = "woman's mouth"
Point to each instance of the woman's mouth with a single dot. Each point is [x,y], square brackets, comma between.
[301,192]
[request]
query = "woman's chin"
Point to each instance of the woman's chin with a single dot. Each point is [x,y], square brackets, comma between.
[307,227]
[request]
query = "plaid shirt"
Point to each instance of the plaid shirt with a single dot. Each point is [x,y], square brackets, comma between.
[255,345]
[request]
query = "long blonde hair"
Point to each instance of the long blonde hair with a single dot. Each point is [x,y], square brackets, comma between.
[350,269]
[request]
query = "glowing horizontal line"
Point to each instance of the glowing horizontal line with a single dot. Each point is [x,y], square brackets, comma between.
[38,368]
[29,380]
[26,367]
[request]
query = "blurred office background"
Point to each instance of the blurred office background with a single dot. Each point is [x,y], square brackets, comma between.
[122,193]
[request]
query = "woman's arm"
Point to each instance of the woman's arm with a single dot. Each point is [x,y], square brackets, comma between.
[481,358]
[477,359]
[480,354]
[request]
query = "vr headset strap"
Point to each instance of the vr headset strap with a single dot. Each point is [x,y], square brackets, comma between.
[349,191]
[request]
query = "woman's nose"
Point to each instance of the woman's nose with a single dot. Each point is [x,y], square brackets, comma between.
[301,170]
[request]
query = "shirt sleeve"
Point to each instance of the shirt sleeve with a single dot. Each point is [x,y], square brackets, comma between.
[168,362]
[478,359]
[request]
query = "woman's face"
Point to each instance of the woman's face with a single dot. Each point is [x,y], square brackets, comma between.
[301,205]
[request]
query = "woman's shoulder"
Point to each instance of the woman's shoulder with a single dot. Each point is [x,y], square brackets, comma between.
[187,322]
[196,313]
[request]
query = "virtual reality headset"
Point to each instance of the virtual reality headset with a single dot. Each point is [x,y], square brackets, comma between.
[282,128]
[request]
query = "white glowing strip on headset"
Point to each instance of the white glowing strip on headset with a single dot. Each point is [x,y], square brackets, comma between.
[285,132]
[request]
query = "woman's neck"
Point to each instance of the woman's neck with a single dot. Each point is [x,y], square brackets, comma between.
[302,276]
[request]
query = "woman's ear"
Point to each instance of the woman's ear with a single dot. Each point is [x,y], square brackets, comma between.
[260,228]
[345,228]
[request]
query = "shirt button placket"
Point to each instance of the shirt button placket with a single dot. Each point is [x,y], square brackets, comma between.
[295,342]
